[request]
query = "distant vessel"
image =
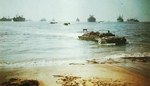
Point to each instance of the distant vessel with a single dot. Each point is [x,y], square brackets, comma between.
[132,20]
[5,19]
[77,20]
[67,23]
[120,19]
[53,21]
[18,19]
[91,19]
[43,19]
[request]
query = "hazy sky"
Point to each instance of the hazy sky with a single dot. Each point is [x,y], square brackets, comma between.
[69,10]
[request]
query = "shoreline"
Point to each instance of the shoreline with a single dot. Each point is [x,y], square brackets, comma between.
[128,74]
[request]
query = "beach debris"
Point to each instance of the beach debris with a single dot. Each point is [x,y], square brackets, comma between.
[112,61]
[57,75]
[138,59]
[19,82]
[93,61]
[29,83]
[119,60]
[106,61]
[76,64]
[69,80]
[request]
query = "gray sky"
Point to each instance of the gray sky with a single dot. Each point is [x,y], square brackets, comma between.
[69,10]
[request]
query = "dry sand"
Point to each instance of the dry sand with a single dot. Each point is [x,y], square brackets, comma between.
[129,74]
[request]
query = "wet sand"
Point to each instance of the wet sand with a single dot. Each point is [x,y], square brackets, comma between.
[83,74]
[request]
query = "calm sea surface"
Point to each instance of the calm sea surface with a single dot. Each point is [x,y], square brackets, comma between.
[41,43]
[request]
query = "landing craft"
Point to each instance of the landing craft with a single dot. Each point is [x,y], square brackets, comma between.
[103,38]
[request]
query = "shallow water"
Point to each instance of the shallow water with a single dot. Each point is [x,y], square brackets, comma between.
[41,42]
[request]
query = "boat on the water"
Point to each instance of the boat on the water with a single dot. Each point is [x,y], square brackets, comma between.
[18,19]
[112,39]
[42,20]
[132,20]
[77,20]
[120,19]
[103,38]
[91,19]
[53,22]
[5,19]
[67,23]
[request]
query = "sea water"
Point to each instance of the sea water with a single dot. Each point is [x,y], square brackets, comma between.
[42,43]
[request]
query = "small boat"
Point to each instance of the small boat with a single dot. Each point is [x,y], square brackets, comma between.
[67,23]
[42,20]
[132,20]
[77,20]
[120,19]
[53,22]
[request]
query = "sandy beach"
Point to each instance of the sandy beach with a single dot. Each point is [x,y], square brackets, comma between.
[83,74]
